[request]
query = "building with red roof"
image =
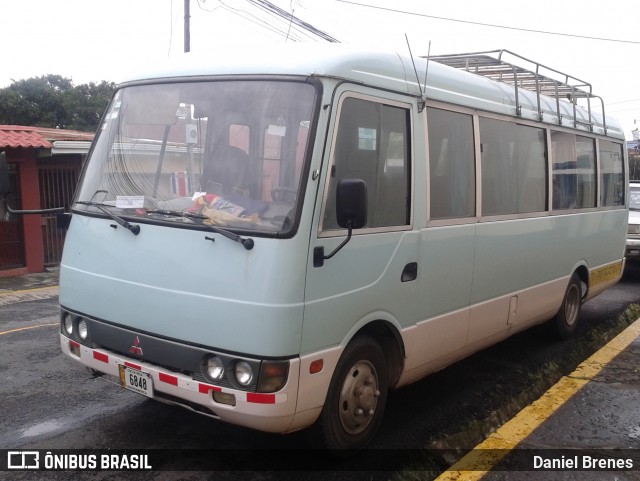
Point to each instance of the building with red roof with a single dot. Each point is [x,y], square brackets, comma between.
[44,166]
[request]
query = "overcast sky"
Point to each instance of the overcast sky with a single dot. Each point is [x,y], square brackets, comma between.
[94,40]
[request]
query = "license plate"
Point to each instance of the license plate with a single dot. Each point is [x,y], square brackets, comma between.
[136,381]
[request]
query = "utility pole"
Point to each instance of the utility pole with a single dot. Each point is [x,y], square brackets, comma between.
[187,31]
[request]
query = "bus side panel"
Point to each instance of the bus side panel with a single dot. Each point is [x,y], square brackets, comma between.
[446,269]
[528,255]
[314,385]
[499,318]
[362,283]
[445,277]
[433,344]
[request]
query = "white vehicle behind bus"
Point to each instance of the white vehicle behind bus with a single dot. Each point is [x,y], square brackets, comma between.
[633,237]
[276,238]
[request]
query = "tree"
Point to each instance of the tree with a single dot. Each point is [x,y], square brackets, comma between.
[86,103]
[53,101]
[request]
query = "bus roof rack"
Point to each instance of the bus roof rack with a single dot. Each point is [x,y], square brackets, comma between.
[551,83]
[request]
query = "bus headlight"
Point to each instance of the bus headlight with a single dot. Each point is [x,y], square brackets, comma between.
[214,368]
[244,373]
[83,330]
[67,322]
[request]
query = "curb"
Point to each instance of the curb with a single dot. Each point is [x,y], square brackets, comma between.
[490,452]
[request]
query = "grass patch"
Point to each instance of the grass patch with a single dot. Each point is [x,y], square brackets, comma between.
[540,380]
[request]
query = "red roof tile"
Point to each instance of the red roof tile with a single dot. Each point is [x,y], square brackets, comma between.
[37,137]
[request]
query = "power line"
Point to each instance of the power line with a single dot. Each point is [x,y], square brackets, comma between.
[255,19]
[290,20]
[624,101]
[170,28]
[201,6]
[250,17]
[625,110]
[276,20]
[490,24]
[274,9]
[282,17]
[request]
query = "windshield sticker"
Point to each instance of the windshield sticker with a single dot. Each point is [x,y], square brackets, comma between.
[277,130]
[113,113]
[130,201]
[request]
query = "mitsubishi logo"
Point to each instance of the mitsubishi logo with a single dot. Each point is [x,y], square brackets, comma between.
[136,349]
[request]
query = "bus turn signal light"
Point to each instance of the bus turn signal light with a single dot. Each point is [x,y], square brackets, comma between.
[316,366]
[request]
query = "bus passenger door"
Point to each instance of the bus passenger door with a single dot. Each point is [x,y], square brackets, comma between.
[447,244]
[373,277]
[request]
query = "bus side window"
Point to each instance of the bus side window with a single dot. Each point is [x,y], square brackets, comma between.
[514,169]
[574,171]
[612,191]
[452,183]
[372,144]
[586,160]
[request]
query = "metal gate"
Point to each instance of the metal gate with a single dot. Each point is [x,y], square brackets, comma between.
[11,242]
[58,180]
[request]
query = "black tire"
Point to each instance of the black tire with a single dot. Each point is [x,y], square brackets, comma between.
[355,401]
[566,320]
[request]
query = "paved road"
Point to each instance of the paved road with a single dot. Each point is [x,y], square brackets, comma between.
[48,402]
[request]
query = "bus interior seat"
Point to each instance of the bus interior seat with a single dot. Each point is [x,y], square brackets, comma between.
[226,171]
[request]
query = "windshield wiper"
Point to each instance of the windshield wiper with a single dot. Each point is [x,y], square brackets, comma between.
[134,228]
[246,242]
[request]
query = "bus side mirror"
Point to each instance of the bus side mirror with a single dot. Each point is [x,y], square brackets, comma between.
[4,174]
[351,203]
[351,213]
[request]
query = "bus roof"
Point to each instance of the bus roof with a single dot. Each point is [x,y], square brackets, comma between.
[391,71]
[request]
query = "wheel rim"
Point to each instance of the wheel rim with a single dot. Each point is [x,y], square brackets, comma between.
[572,305]
[359,397]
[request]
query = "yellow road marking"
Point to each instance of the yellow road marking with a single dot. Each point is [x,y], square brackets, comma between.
[25,291]
[28,295]
[488,454]
[10,331]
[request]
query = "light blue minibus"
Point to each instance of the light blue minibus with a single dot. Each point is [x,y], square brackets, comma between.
[277,237]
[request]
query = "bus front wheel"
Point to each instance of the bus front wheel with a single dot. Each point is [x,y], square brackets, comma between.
[566,321]
[356,398]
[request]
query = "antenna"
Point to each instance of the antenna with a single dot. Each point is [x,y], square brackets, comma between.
[426,71]
[423,95]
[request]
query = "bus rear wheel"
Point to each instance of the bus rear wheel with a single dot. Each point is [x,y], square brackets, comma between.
[356,398]
[566,321]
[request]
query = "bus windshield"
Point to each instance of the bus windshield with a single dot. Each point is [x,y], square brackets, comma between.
[227,152]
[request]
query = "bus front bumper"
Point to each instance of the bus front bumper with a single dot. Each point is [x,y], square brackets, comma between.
[270,412]
[633,248]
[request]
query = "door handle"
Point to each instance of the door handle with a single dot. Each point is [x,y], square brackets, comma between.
[410,272]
